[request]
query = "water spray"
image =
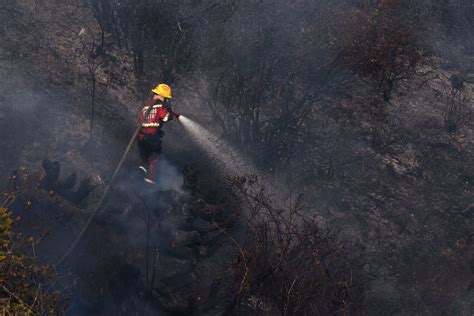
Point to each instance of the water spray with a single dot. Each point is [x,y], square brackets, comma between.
[218,150]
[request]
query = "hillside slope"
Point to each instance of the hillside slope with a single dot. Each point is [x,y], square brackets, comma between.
[396,177]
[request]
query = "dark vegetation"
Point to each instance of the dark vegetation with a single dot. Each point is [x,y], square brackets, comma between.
[362,109]
[262,79]
[289,265]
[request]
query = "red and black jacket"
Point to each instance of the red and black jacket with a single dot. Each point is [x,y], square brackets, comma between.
[156,117]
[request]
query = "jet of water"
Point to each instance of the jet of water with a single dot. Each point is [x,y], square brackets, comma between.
[228,158]
[220,151]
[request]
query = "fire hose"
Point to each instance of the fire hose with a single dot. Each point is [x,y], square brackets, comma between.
[107,189]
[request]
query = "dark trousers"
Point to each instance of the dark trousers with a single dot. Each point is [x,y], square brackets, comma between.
[149,147]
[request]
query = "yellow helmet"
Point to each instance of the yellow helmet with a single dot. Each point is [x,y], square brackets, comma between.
[163,89]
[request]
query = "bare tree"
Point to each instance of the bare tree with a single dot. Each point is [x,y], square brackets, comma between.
[382,47]
[287,264]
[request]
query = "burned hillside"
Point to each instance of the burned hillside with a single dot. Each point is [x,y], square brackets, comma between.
[322,163]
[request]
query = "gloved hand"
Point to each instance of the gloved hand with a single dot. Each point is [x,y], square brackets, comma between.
[176,114]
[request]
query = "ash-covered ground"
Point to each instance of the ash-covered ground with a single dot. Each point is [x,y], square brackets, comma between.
[388,164]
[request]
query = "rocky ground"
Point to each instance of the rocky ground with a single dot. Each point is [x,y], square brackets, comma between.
[406,195]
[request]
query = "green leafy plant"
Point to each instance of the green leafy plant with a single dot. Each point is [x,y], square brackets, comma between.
[26,286]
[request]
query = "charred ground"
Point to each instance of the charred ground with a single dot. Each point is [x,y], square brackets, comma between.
[363,108]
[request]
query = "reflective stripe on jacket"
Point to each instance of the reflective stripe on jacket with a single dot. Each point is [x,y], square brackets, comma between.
[155,119]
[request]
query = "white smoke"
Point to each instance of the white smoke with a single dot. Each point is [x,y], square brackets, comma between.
[169,177]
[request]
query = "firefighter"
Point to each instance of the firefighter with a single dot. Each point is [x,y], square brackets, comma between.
[152,117]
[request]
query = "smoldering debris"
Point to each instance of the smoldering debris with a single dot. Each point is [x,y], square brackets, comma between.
[169,237]
[65,188]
